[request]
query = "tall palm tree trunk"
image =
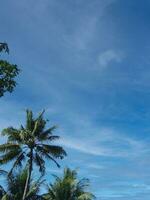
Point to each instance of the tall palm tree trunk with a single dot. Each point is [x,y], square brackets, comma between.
[27,184]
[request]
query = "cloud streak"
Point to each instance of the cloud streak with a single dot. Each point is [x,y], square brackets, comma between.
[106,143]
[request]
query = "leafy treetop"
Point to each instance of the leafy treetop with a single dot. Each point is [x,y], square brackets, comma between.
[8,73]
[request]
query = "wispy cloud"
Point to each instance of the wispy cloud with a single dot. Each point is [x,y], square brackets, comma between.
[85,26]
[82,35]
[110,56]
[72,42]
[83,147]
[106,143]
[95,166]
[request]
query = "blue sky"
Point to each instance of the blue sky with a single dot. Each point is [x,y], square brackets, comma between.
[87,63]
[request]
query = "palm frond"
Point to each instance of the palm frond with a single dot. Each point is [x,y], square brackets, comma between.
[52,138]
[2,192]
[12,134]
[55,151]
[29,120]
[11,155]
[83,183]
[86,196]
[45,135]
[40,163]
[6,197]
[18,161]
[4,47]
[46,155]
[9,147]
[3,172]
[40,124]
[35,187]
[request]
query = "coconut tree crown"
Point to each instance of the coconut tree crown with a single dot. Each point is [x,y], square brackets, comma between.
[32,141]
[68,187]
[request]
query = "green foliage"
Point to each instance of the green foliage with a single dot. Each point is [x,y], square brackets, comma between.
[32,142]
[4,47]
[34,136]
[8,72]
[15,187]
[69,187]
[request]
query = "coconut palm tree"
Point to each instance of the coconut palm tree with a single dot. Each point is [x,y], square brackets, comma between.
[15,187]
[32,143]
[69,188]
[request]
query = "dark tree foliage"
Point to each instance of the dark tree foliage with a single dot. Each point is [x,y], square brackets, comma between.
[8,73]
[4,47]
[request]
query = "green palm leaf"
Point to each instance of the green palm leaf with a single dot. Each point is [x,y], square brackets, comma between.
[11,155]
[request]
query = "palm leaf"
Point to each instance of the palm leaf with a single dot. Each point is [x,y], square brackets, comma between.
[29,120]
[18,161]
[46,155]
[12,134]
[55,151]
[47,135]
[9,147]
[86,196]
[11,155]
[40,163]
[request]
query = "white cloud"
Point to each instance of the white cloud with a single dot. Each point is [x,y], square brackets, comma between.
[84,147]
[109,56]
[95,166]
[104,142]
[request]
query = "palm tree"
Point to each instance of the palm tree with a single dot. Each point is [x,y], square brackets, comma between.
[69,188]
[15,187]
[32,143]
